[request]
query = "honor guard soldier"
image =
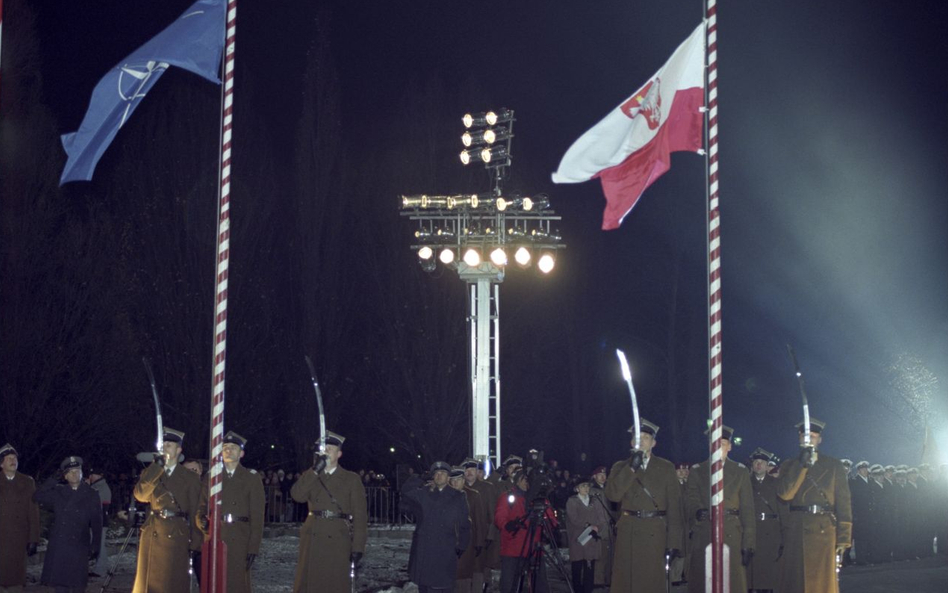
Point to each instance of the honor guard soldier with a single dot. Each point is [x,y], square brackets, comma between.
[763,573]
[820,519]
[332,539]
[169,533]
[242,504]
[470,574]
[488,495]
[650,522]
[76,530]
[861,493]
[19,521]
[740,527]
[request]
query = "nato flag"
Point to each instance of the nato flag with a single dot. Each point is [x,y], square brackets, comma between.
[193,42]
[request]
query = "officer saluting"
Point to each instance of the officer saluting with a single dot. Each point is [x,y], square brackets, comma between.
[335,530]
[650,522]
[820,520]
[241,509]
[169,533]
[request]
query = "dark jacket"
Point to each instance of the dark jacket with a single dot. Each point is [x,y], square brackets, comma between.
[19,526]
[75,532]
[444,527]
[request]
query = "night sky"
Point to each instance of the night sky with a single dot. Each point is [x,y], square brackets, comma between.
[834,203]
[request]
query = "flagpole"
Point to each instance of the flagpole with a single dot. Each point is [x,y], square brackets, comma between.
[214,578]
[714,303]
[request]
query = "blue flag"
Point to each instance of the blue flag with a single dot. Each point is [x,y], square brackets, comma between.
[193,42]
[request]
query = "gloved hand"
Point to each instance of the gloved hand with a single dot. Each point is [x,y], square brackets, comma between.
[747,554]
[779,553]
[702,514]
[204,523]
[319,462]
[477,551]
[160,459]
[458,552]
[356,558]
[638,459]
[673,553]
[31,549]
[841,549]
[808,456]
[512,526]
[250,559]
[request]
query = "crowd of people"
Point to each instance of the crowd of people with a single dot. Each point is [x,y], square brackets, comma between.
[641,525]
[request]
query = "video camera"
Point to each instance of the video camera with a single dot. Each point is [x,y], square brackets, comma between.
[541,482]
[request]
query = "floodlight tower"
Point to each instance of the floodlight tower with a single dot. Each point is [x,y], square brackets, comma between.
[474,234]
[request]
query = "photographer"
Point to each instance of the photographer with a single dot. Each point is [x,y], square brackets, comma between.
[521,534]
[76,530]
[585,547]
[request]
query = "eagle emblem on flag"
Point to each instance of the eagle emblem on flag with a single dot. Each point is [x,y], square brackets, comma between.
[648,102]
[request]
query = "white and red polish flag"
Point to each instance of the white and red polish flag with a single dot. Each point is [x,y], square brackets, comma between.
[631,147]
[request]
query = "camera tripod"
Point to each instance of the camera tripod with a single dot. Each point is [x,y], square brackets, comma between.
[533,553]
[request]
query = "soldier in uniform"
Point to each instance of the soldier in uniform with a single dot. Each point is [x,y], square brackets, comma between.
[76,530]
[740,527]
[597,491]
[861,492]
[650,522]
[470,574]
[820,518]
[242,505]
[763,573]
[332,539]
[169,534]
[19,521]
[682,471]
[488,498]
[878,548]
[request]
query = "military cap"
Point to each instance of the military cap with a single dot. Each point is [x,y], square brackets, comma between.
[236,439]
[682,466]
[772,462]
[924,466]
[599,470]
[440,466]
[646,426]
[760,453]
[876,469]
[900,473]
[580,480]
[70,463]
[334,439]
[912,470]
[889,468]
[456,472]
[7,450]
[864,464]
[816,426]
[901,468]
[726,432]
[470,462]
[513,460]
[846,462]
[172,435]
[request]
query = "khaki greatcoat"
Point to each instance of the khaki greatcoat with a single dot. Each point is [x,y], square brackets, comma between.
[19,526]
[326,544]
[639,559]
[488,500]
[739,529]
[470,562]
[810,541]
[242,497]
[165,543]
[769,513]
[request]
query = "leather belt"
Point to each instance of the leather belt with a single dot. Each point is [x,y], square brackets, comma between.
[228,518]
[330,515]
[166,514]
[732,512]
[644,514]
[766,516]
[813,509]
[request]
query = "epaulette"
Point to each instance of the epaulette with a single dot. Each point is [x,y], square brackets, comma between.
[695,466]
[741,465]
[253,471]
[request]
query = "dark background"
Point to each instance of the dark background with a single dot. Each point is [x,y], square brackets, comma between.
[834,188]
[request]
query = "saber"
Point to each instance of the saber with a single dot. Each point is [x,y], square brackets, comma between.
[627,375]
[154,392]
[319,400]
[806,405]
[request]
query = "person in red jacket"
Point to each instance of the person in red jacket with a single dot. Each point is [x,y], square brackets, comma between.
[521,535]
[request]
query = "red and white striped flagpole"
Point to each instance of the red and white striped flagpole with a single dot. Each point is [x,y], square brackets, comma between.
[714,304]
[214,577]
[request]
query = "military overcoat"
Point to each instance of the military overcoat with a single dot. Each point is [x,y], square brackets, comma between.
[169,533]
[470,561]
[811,538]
[769,513]
[75,531]
[739,526]
[639,558]
[488,500]
[19,527]
[242,510]
[326,544]
[443,528]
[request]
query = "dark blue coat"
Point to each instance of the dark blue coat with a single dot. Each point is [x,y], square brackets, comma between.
[76,531]
[444,526]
